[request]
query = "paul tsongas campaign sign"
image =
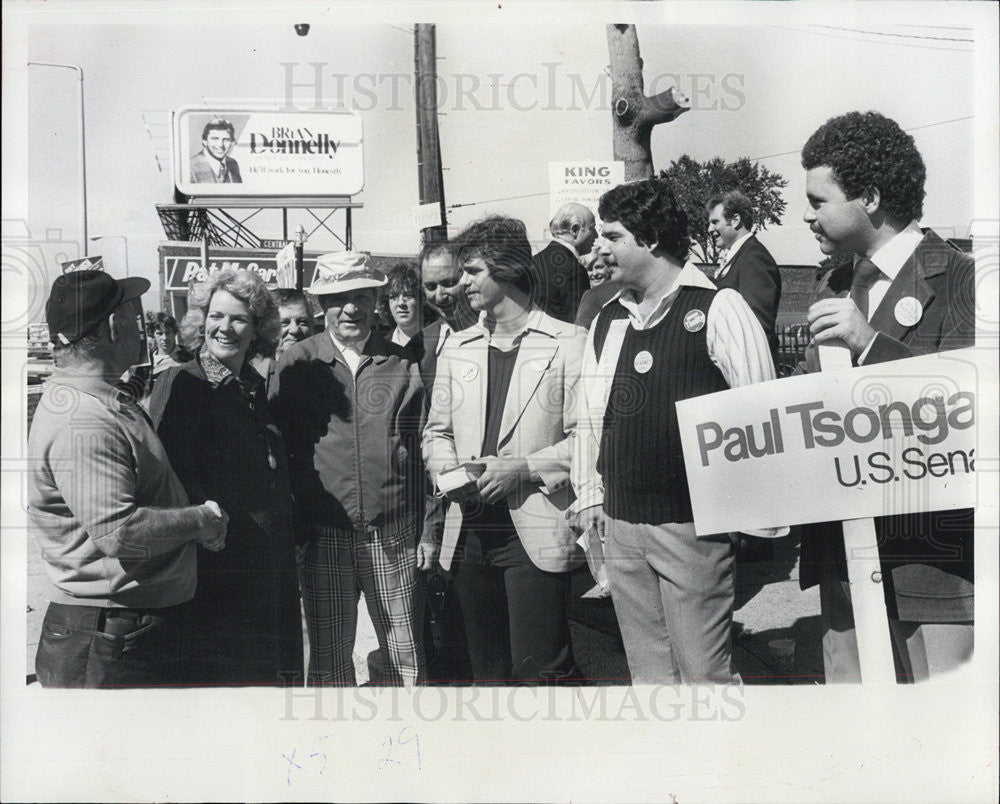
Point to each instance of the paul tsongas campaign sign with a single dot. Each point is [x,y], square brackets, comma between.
[891,438]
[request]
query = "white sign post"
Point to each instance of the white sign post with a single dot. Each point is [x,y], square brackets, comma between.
[871,621]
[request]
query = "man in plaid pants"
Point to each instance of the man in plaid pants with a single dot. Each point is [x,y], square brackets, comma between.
[350,406]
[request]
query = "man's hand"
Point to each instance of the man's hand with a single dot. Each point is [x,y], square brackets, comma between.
[215,538]
[500,477]
[427,553]
[831,319]
[590,517]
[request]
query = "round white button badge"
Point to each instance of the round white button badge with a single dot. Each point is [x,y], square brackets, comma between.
[469,373]
[643,362]
[908,311]
[694,320]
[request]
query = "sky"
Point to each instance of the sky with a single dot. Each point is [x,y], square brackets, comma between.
[512,97]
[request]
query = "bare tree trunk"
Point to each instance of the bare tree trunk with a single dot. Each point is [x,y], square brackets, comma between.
[633,113]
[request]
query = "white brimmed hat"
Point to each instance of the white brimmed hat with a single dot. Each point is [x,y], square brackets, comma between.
[341,271]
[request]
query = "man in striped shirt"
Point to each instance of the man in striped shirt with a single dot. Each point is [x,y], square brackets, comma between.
[669,335]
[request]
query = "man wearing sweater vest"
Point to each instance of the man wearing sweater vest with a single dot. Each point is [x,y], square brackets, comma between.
[669,335]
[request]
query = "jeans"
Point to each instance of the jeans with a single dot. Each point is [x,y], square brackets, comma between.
[93,646]
[515,614]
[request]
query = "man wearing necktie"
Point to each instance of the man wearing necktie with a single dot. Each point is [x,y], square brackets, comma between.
[213,163]
[903,293]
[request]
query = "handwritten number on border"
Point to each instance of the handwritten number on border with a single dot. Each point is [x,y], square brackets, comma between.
[401,739]
[313,754]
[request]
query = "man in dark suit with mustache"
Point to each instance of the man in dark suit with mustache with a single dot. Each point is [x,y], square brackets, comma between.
[903,293]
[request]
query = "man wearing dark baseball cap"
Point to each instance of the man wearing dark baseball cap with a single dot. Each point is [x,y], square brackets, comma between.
[81,300]
[113,521]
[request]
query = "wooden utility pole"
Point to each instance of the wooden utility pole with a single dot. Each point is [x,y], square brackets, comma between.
[428,144]
[633,113]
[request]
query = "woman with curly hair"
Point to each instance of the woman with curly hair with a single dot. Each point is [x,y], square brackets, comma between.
[212,417]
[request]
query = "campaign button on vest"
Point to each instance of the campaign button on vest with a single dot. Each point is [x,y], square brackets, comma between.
[694,320]
[643,362]
[908,311]
[469,373]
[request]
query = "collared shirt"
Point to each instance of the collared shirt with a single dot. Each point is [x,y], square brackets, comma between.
[247,381]
[507,342]
[111,517]
[353,351]
[219,168]
[736,341]
[350,436]
[162,362]
[731,255]
[539,429]
[215,370]
[569,246]
[736,344]
[400,338]
[502,357]
[890,259]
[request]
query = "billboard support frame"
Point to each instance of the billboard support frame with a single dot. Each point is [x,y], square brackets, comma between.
[188,222]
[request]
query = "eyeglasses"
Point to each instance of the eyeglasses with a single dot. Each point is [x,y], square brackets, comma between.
[430,287]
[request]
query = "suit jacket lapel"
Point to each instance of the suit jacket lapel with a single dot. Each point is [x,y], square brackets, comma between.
[744,246]
[910,281]
[432,334]
[533,359]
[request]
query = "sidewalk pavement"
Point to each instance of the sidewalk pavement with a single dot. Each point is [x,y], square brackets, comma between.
[769,607]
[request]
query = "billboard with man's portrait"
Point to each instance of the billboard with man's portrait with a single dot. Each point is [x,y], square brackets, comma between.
[250,153]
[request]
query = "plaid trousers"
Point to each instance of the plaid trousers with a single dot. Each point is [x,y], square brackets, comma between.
[340,564]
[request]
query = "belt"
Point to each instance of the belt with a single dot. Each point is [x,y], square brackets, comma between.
[107,616]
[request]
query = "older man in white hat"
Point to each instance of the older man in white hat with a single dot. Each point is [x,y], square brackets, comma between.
[350,406]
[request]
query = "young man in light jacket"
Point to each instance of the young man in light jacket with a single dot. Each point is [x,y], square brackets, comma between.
[504,402]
